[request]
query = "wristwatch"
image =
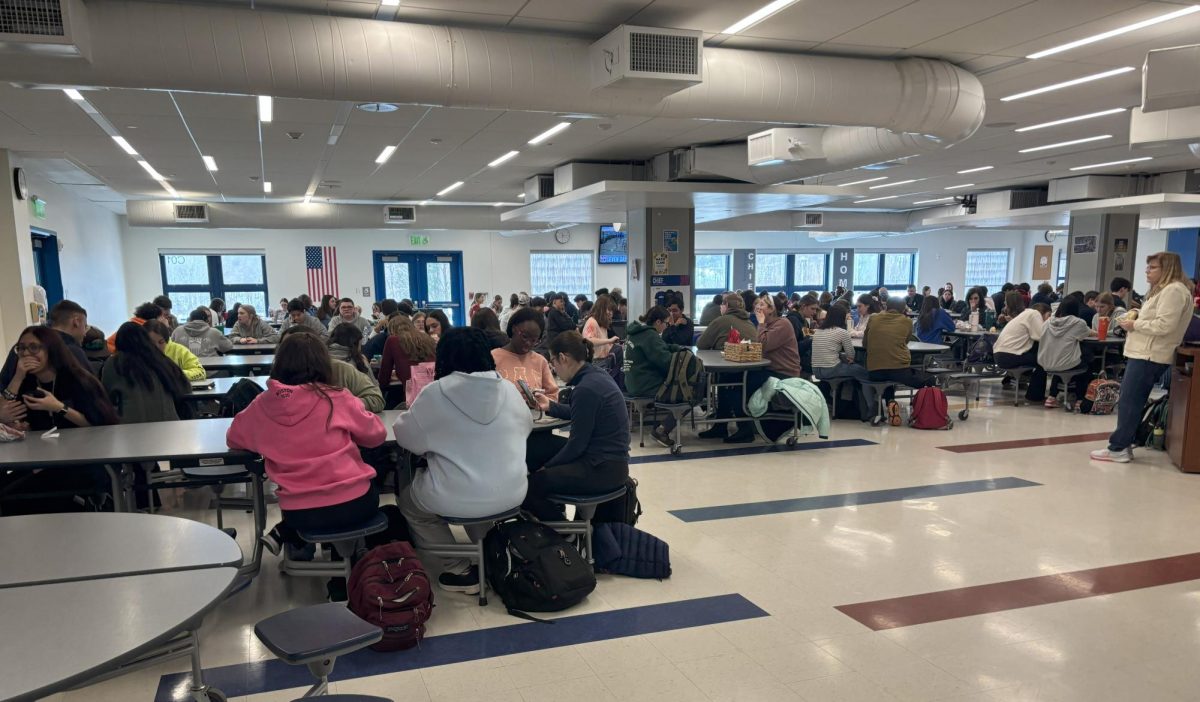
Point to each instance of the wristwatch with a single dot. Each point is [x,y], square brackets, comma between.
[62,412]
[8,395]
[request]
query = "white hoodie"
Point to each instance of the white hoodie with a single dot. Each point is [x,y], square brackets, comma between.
[472,429]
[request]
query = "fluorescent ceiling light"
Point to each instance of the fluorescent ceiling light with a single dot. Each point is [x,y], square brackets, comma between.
[1073,142]
[1113,163]
[521,195]
[150,169]
[73,94]
[976,170]
[1068,120]
[549,132]
[169,189]
[384,155]
[860,182]
[125,146]
[450,188]
[422,203]
[1115,32]
[876,199]
[266,108]
[506,157]
[307,199]
[757,16]
[1069,83]
[390,3]
[498,204]
[899,182]
[209,162]
[958,187]
[936,199]
[267,186]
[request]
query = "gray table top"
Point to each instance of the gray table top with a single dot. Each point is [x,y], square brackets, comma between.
[121,443]
[53,637]
[94,545]
[236,362]
[245,349]
[221,387]
[913,346]
[713,360]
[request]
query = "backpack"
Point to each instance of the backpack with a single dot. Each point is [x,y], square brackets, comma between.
[1102,396]
[624,510]
[981,352]
[1151,431]
[930,410]
[682,385]
[533,569]
[420,375]
[239,397]
[624,550]
[389,588]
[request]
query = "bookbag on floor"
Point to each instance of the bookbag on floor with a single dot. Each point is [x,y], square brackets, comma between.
[1102,396]
[930,410]
[389,588]
[533,568]
[1152,430]
[682,385]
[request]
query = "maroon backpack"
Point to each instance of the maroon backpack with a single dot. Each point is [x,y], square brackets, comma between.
[930,410]
[389,588]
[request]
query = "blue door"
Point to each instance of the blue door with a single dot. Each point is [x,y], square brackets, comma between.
[45,265]
[431,280]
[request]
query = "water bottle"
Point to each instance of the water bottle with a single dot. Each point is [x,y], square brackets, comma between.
[974,319]
[1102,329]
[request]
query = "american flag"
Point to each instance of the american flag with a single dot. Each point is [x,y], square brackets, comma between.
[321,265]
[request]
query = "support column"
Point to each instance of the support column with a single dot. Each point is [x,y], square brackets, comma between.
[16,256]
[1101,247]
[662,255]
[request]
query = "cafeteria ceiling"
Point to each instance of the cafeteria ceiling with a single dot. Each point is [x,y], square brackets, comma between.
[438,146]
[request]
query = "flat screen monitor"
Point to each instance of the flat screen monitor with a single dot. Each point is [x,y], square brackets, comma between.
[614,246]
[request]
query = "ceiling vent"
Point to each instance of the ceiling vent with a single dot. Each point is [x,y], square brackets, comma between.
[668,60]
[784,144]
[399,214]
[811,219]
[46,27]
[1008,200]
[539,187]
[191,214]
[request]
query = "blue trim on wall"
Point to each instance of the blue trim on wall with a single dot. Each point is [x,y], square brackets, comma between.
[870,497]
[749,451]
[266,676]
[1186,243]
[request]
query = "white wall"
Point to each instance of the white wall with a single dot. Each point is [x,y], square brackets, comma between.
[491,263]
[90,255]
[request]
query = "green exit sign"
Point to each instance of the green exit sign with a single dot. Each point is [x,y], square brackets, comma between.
[418,239]
[38,206]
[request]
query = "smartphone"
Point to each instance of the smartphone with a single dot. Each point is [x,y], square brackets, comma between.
[527,394]
[36,392]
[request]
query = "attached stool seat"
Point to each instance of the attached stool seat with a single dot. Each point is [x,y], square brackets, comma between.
[1017,374]
[835,389]
[221,475]
[354,698]
[678,411]
[347,542]
[471,551]
[315,636]
[875,392]
[637,412]
[585,508]
[1064,378]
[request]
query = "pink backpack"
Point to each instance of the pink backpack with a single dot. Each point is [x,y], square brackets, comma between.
[420,375]
[389,588]
[930,410]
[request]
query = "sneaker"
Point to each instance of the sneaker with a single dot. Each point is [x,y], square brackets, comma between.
[272,542]
[663,437]
[307,552]
[467,583]
[1052,403]
[1123,456]
[335,590]
[716,431]
[894,417]
[740,437]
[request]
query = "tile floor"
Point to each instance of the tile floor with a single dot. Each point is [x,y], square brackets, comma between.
[1136,645]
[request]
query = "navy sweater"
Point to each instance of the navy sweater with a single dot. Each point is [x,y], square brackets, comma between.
[599,423]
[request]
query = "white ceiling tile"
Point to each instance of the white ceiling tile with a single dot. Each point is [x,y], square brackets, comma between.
[924,20]
[824,20]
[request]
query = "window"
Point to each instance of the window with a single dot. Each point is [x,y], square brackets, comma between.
[192,280]
[561,271]
[1062,267]
[770,271]
[790,273]
[712,278]
[987,267]
[810,272]
[895,270]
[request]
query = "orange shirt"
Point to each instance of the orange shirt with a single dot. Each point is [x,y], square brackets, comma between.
[533,368]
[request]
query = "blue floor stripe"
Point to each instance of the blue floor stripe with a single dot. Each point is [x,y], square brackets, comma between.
[749,451]
[267,676]
[870,497]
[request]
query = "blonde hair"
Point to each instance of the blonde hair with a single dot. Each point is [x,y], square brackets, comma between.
[1106,298]
[1172,271]
[419,347]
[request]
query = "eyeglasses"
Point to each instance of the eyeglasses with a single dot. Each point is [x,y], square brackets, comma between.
[29,349]
[532,338]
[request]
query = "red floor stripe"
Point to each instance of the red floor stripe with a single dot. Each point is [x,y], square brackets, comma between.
[1027,443]
[1028,592]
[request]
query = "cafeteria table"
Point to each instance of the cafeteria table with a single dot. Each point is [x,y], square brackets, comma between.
[716,364]
[251,349]
[217,388]
[238,365]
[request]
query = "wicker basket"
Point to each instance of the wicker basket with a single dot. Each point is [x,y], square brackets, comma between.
[743,352]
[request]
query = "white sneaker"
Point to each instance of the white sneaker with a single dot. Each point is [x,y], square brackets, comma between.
[1124,456]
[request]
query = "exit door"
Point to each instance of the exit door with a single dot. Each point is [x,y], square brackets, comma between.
[430,280]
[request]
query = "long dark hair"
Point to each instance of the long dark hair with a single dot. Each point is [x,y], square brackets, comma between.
[351,336]
[323,312]
[139,361]
[302,358]
[463,350]
[929,308]
[835,318]
[656,313]
[871,302]
[485,319]
[442,319]
[72,379]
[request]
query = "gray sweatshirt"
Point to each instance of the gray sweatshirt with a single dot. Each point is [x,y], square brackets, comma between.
[201,339]
[364,325]
[260,331]
[306,321]
[1058,349]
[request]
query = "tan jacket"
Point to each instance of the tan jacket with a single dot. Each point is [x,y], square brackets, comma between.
[1160,325]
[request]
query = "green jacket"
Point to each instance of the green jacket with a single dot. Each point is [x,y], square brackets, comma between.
[717,333]
[647,359]
[805,397]
[360,385]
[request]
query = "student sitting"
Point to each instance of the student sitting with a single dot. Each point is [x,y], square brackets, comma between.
[1017,343]
[471,426]
[298,316]
[345,344]
[436,324]
[486,321]
[647,360]
[933,323]
[141,382]
[49,388]
[778,339]
[557,319]
[712,310]
[886,344]
[832,348]
[866,307]
[374,346]
[216,313]
[252,329]
[348,314]
[144,313]
[979,304]
[280,314]
[679,330]
[308,430]
[1059,351]
[518,361]
[405,348]
[733,316]
[200,338]
[596,327]
[180,354]
[595,459]
[70,321]
[1106,308]
[1044,294]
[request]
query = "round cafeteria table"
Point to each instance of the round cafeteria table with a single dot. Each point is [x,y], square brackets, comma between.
[714,362]
[47,548]
[57,636]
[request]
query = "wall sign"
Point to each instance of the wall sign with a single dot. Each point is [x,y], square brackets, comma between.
[843,268]
[667,281]
[743,269]
[1043,257]
[418,240]
[670,241]
[661,263]
[1085,244]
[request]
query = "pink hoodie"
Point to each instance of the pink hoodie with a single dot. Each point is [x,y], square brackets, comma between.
[310,447]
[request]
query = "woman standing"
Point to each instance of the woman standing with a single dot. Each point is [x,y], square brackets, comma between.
[1152,334]
[595,329]
[251,329]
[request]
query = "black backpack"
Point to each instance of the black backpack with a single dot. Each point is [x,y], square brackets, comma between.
[533,569]
[239,397]
[625,509]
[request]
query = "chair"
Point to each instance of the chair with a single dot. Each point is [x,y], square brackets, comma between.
[1017,374]
[875,391]
[315,636]
[835,388]
[1065,378]
[470,551]
[637,408]
[347,542]
[678,411]
[585,508]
